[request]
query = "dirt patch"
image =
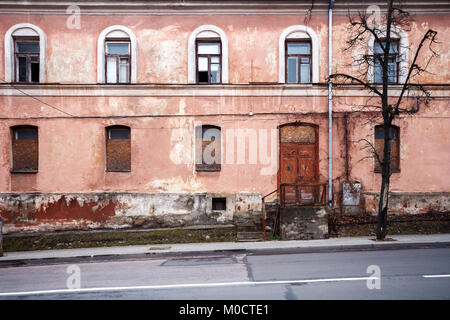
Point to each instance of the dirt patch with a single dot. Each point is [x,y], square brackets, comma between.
[115,238]
[366,225]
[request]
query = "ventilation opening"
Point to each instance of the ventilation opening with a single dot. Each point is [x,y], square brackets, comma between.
[219,203]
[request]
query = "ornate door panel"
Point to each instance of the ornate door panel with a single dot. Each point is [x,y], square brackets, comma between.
[298,163]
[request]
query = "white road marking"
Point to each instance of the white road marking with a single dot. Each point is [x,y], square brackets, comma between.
[437,276]
[188,285]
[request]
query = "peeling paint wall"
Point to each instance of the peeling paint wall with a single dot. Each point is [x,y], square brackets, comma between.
[52,212]
[72,189]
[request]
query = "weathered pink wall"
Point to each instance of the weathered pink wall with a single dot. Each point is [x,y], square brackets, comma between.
[72,151]
[162,45]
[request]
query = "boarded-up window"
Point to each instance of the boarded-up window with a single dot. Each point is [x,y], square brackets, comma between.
[395,147]
[207,152]
[118,149]
[25,149]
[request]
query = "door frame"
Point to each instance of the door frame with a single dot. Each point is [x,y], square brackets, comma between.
[316,163]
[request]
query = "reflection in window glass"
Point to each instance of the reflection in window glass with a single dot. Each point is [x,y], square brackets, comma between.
[111,70]
[27,47]
[202,64]
[118,48]
[209,48]
[292,70]
[215,73]
[298,48]
[120,133]
[305,73]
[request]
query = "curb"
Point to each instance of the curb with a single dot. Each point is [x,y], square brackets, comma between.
[190,253]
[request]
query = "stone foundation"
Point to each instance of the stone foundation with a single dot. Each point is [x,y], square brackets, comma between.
[409,202]
[304,223]
[53,212]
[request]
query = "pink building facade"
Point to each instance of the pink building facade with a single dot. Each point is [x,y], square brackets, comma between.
[116,114]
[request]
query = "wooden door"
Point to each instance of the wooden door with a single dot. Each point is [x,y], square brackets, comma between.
[298,163]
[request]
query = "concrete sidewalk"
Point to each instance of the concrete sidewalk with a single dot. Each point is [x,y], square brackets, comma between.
[363,243]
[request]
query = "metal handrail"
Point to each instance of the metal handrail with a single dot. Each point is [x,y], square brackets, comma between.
[282,200]
[263,210]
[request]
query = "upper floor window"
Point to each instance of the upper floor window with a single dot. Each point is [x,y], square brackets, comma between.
[117,56]
[209,59]
[26,60]
[398,56]
[298,52]
[208,55]
[298,61]
[25,54]
[393,62]
[117,61]
[24,149]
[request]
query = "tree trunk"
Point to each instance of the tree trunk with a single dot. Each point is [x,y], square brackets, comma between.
[382,209]
[385,179]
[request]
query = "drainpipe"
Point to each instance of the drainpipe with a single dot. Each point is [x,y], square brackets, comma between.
[330,109]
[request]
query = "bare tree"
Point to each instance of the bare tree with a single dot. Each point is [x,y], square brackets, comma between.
[381,63]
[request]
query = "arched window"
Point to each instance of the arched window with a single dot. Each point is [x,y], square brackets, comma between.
[24,149]
[25,54]
[208,55]
[398,56]
[395,147]
[207,148]
[118,148]
[298,52]
[117,56]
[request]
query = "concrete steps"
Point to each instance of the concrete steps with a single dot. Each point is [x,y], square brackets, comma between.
[250,233]
[250,236]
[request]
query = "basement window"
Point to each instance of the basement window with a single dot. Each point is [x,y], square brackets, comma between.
[118,149]
[219,204]
[25,149]
[395,147]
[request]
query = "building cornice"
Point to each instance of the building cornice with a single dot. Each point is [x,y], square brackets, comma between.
[198,7]
[194,90]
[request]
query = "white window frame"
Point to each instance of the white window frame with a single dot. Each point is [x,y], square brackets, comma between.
[106,34]
[192,69]
[403,43]
[298,32]
[15,32]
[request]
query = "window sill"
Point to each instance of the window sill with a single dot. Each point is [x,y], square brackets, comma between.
[26,82]
[392,171]
[207,169]
[23,171]
[118,171]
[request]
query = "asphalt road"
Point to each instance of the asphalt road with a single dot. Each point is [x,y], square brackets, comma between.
[392,274]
